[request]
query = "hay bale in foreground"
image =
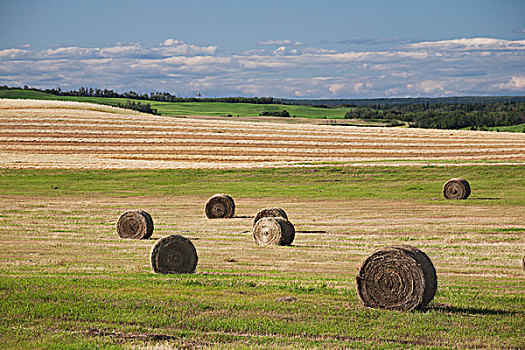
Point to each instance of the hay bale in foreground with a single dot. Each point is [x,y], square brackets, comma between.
[220,206]
[174,254]
[397,278]
[269,212]
[457,188]
[273,231]
[135,224]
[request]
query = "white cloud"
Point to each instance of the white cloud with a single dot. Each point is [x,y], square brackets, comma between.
[185,49]
[71,51]
[280,50]
[279,42]
[135,50]
[123,51]
[12,54]
[317,50]
[337,88]
[471,44]
[345,89]
[459,66]
[431,86]
[515,83]
[172,42]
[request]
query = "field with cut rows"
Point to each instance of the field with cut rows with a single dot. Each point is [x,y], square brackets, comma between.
[67,281]
[49,134]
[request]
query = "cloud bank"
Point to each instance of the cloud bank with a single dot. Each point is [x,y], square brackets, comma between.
[280,68]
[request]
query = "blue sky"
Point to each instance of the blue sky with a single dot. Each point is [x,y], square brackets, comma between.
[287,48]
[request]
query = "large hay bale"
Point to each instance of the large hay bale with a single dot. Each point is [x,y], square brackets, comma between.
[135,224]
[174,254]
[397,278]
[269,212]
[220,206]
[457,188]
[273,231]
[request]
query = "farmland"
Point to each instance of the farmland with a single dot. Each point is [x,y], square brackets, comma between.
[50,134]
[193,108]
[67,171]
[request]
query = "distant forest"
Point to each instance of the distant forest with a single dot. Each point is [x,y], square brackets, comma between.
[474,112]
[447,115]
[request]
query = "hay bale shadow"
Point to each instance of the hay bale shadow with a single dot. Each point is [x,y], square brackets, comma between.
[485,199]
[466,310]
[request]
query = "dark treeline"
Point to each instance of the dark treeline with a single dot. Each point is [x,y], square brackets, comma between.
[332,103]
[138,106]
[284,113]
[447,115]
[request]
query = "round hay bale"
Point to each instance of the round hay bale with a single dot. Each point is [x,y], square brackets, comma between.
[273,231]
[220,206]
[457,188]
[174,254]
[135,224]
[523,263]
[397,278]
[150,226]
[269,212]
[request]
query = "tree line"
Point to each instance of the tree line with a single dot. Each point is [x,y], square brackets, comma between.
[138,106]
[446,115]
[284,113]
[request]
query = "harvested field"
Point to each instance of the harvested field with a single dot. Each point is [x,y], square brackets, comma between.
[45,134]
[67,280]
[65,250]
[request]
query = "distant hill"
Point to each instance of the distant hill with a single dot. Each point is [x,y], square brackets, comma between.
[29,94]
[193,108]
[474,112]
[402,101]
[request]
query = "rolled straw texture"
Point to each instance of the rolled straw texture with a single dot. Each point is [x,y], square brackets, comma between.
[397,278]
[457,188]
[273,231]
[150,227]
[220,206]
[135,224]
[174,254]
[269,212]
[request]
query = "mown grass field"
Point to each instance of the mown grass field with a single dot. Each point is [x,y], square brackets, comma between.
[68,282]
[59,134]
[193,108]
[512,128]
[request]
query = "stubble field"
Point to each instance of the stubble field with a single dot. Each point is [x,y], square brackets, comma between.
[67,280]
[49,134]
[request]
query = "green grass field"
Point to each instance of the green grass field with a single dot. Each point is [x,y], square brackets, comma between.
[192,108]
[68,282]
[325,183]
[512,128]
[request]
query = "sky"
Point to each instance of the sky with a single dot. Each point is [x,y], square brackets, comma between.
[286,48]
